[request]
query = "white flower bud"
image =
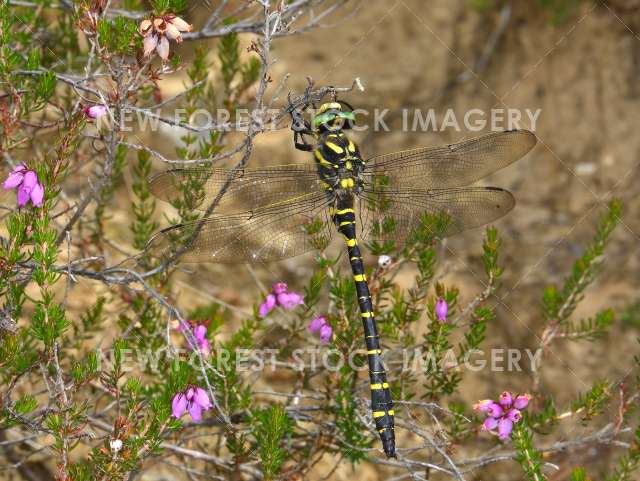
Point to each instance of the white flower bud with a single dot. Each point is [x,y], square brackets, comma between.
[384,261]
[116,445]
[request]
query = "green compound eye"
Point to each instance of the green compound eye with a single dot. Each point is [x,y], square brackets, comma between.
[323,118]
[347,115]
[329,117]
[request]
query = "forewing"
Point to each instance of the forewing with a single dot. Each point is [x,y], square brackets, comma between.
[454,165]
[265,235]
[241,190]
[395,215]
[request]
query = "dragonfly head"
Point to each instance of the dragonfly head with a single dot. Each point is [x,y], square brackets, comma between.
[333,116]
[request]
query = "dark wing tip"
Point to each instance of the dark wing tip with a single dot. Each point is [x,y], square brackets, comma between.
[524,139]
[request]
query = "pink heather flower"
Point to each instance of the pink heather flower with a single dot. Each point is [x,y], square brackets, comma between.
[29,188]
[495,410]
[280,296]
[514,415]
[157,32]
[200,333]
[317,324]
[489,424]
[267,306]
[488,407]
[95,111]
[289,300]
[442,309]
[505,399]
[320,327]
[522,401]
[502,415]
[325,334]
[483,405]
[193,400]
[280,288]
[505,426]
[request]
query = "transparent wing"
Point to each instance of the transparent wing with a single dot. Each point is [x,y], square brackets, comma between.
[454,165]
[394,215]
[267,234]
[243,189]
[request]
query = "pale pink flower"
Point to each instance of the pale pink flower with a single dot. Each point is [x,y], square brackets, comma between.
[95,111]
[157,32]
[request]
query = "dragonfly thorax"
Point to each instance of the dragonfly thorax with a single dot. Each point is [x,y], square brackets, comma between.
[340,165]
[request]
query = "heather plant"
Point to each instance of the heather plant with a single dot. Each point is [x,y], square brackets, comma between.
[137,380]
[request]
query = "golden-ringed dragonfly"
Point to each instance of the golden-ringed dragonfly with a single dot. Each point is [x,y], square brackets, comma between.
[271,213]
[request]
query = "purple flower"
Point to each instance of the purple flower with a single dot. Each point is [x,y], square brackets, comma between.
[289,300]
[320,326]
[483,405]
[522,401]
[495,411]
[200,333]
[280,296]
[505,426]
[29,188]
[268,305]
[489,424]
[95,111]
[502,415]
[442,309]
[489,407]
[194,400]
[317,324]
[505,399]
[514,415]
[325,334]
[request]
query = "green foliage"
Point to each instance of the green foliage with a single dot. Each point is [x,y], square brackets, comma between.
[527,456]
[592,402]
[106,195]
[630,316]
[162,7]
[579,474]
[559,304]
[482,5]
[120,35]
[559,10]
[351,436]
[545,419]
[270,426]
[629,463]
[229,56]
[143,225]
[590,328]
